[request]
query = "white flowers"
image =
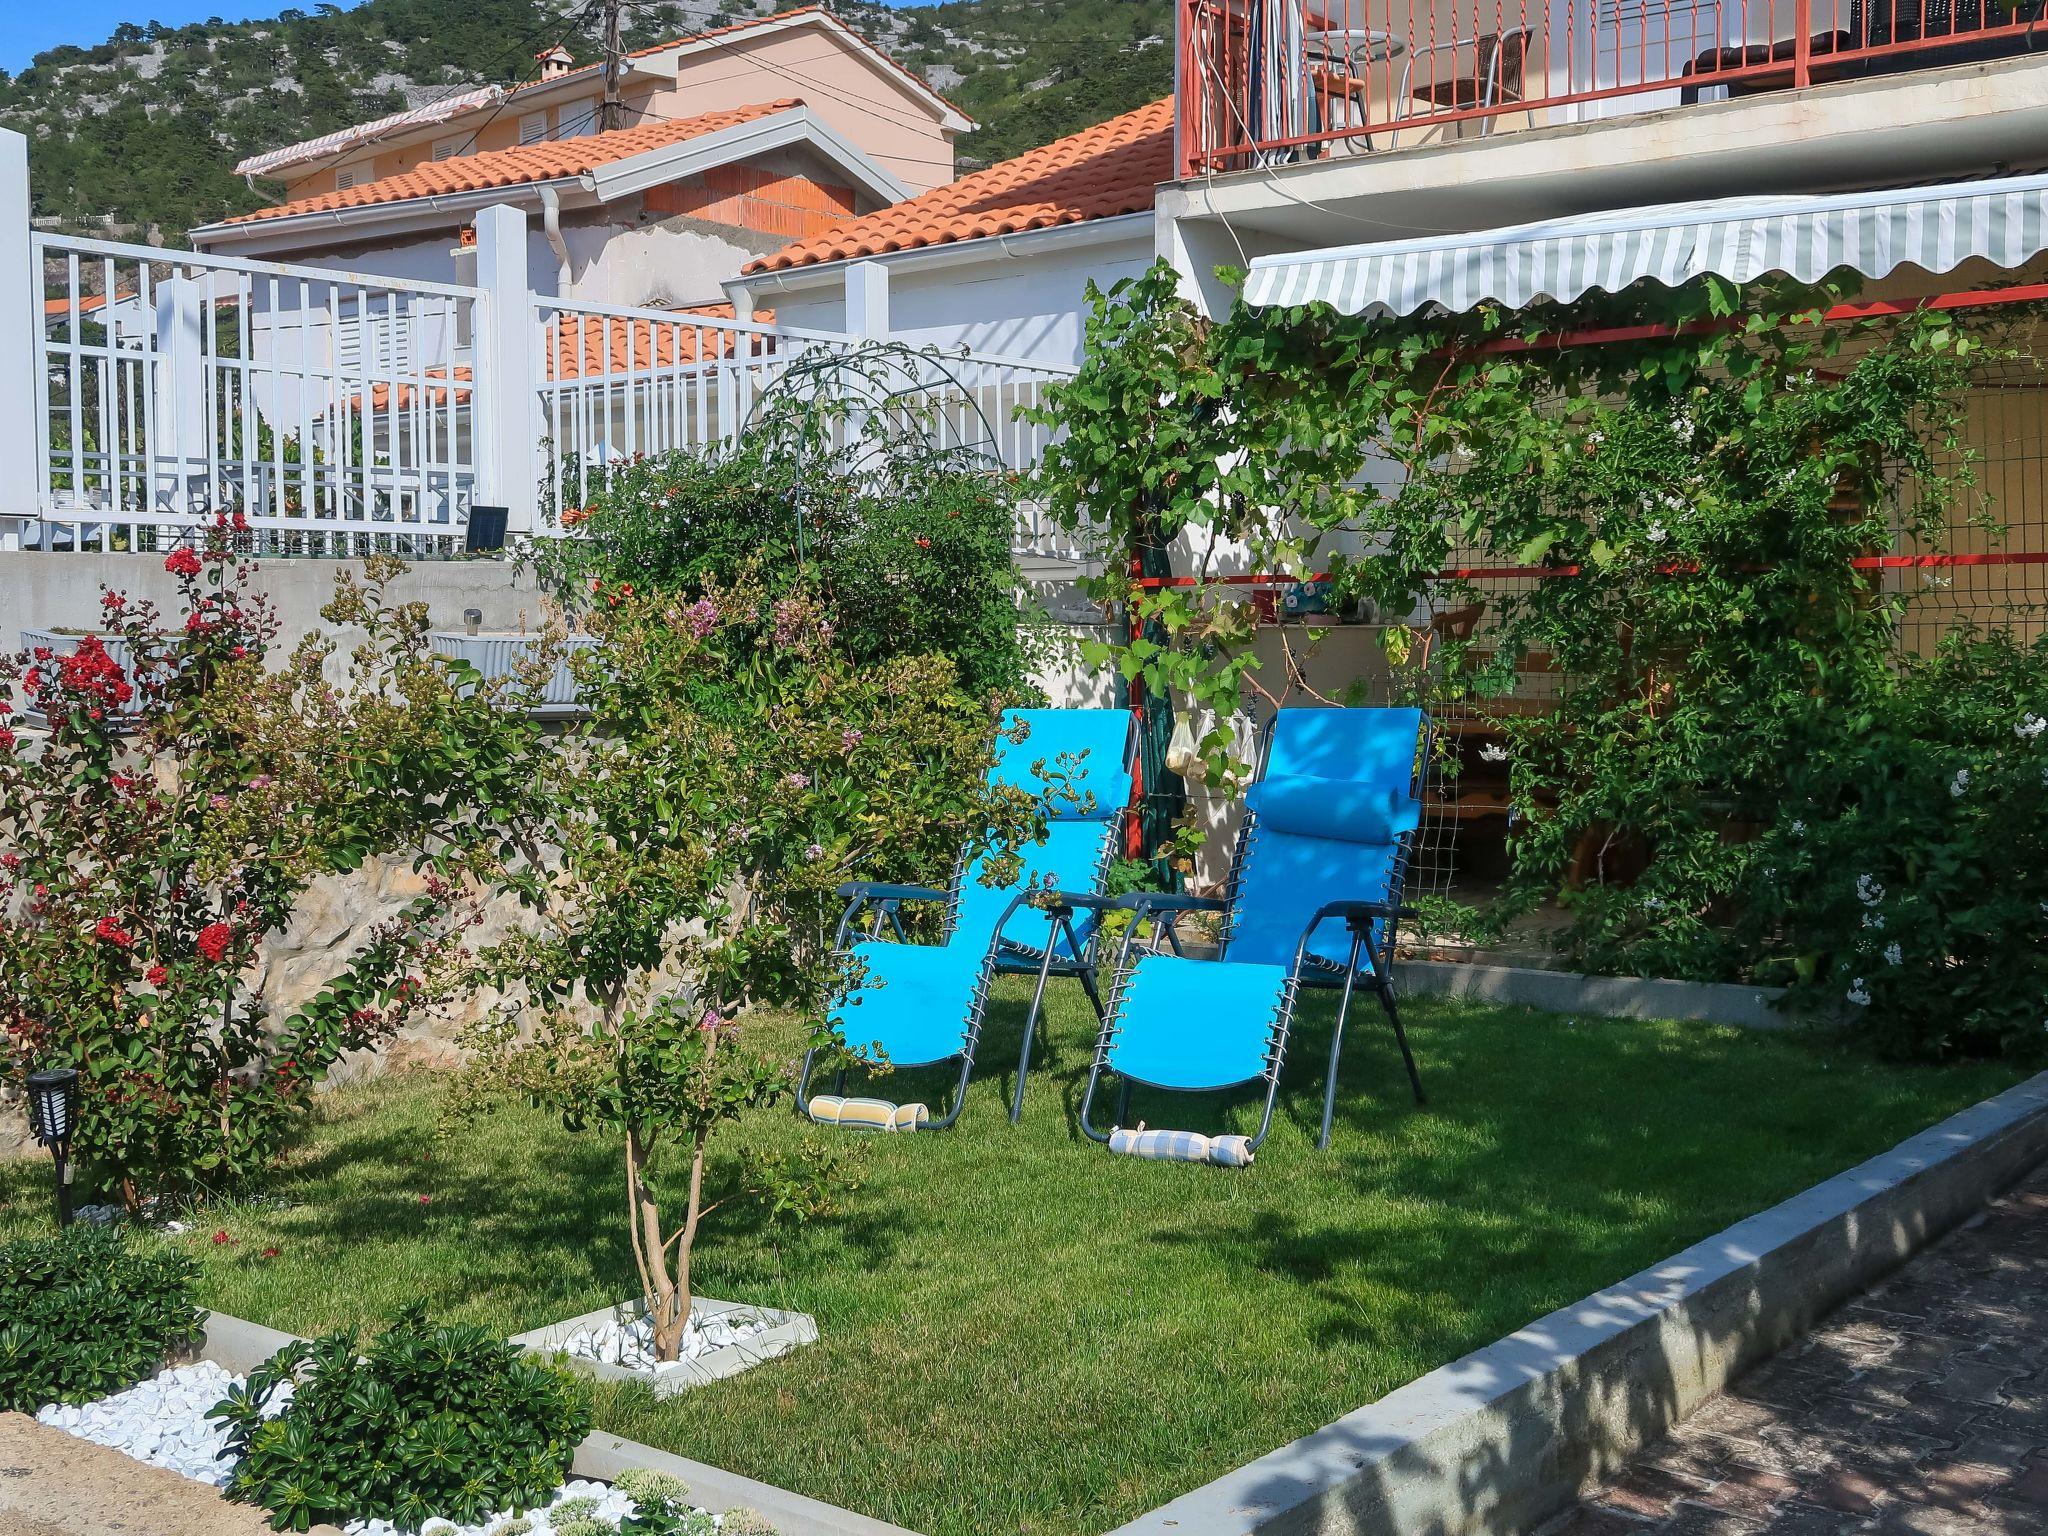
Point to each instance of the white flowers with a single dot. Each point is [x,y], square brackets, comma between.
[1493,752]
[2030,727]
[1893,954]
[1858,993]
[1960,784]
[1797,829]
[1655,533]
[1868,891]
[1874,920]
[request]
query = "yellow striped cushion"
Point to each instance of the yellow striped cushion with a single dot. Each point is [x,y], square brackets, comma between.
[868,1114]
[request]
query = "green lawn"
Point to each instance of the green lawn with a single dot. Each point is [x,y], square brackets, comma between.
[1022,1333]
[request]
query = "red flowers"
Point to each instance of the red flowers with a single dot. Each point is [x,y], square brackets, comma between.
[182,562]
[215,939]
[271,1253]
[156,975]
[426,1199]
[110,929]
[6,739]
[221,1238]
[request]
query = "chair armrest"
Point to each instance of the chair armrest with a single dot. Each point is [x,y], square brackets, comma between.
[876,890]
[1357,911]
[1163,901]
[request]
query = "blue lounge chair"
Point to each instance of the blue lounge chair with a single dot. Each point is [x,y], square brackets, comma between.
[921,1004]
[1313,899]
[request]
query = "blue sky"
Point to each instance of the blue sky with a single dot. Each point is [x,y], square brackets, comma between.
[27,27]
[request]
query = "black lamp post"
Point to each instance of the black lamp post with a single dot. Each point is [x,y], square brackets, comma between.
[53,1112]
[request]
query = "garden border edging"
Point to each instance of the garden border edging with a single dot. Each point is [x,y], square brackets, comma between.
[1743,1005]
[787,1331]
[1493,1444]
[240,1346]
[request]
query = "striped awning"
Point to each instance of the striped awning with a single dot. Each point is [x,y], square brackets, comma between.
[1935,228]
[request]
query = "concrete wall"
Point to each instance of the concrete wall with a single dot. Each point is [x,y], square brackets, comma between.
[60,591]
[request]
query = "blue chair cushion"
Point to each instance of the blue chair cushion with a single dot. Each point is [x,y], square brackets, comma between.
[1196,1024]
[913,1000]
[1079,754]
[1072,857]
[1373,746]
[1341,810]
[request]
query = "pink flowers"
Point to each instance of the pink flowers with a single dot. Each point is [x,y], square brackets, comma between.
[214,941]
[182,562]
[701,617]
[848,740]
[110,930]
[797,780]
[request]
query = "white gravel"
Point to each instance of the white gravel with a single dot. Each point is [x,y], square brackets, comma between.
[632,1344]
[163,1422]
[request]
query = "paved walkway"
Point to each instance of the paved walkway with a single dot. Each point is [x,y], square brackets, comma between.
[1919,1409]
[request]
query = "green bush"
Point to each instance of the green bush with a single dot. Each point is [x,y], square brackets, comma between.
[427,1423]
[86,1315]
[908,546]
[1910,868]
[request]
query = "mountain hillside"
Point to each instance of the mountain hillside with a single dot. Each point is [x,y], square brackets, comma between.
[139,133]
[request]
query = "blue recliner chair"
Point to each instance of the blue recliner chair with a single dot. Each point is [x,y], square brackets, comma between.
[1313,899]
[922,1004]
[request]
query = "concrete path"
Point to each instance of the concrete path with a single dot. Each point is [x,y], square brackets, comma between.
[54,1484]
[1920,1409]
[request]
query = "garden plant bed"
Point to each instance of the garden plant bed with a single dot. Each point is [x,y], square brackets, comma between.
[1069,1339]
[739,1336]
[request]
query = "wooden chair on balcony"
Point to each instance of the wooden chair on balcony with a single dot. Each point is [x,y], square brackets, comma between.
[1499,60]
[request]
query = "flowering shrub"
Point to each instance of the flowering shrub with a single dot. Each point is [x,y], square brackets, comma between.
[141,872]
[910,545]
[1909,870]
[738,766]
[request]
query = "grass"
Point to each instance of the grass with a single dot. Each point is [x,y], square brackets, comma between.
[1022,1333]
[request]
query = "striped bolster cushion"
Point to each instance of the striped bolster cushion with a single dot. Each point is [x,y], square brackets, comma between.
[869,1114]
[1183,1147]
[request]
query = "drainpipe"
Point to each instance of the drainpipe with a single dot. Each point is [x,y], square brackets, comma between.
[551,226]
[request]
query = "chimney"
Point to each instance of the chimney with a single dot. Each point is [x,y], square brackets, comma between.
[555,63]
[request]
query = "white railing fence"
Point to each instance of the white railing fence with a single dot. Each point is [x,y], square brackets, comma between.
[339,412]
[323,407]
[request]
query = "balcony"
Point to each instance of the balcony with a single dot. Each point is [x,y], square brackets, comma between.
[1268,83]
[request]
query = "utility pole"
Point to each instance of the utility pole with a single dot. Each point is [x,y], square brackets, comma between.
[612,114]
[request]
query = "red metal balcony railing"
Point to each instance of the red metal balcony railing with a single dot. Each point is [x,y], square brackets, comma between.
[1266,82]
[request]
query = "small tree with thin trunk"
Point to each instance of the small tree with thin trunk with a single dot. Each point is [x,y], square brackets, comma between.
[736,766]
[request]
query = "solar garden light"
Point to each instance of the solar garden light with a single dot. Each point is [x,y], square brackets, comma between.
[53,1112]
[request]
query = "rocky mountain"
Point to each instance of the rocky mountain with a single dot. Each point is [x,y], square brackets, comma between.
[139,133]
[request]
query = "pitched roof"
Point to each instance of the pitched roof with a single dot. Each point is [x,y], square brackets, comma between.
[779,18]
[547,160]
[463,103]
[1100,172]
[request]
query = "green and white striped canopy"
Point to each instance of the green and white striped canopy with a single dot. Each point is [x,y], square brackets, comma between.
[1935,228]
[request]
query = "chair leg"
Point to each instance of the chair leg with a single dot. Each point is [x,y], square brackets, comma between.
[1401,1038]
[1087,978]
[959,1096]
[1031,1025]
[1337,1042]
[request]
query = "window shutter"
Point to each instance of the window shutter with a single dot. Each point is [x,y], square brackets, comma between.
[533,127]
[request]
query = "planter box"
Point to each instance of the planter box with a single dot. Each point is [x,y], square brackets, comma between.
[786,1331]
[499,656]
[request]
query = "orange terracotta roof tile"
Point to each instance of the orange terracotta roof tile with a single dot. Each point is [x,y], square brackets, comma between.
[587,346]
[1098,173]
[548,160]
